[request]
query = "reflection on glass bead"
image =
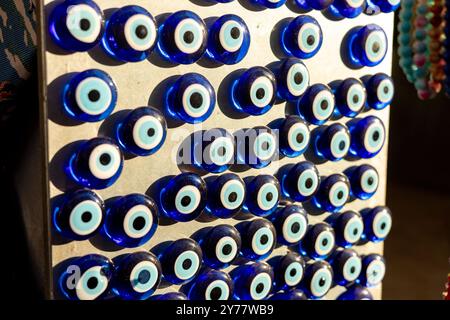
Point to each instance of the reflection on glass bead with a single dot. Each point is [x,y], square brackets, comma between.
[302,37]
[377,6]
[377,223]
[301,181]
[211,285]
[380,91]
[291,224]
[271,4]
[289,271]
[263,195]
[348,228]
[317,104]
[333,194]
[364,181]
[332,142]
[294,294]
[350,97]
[294,136]
[346,266]
[258,238]
[368,137]
[252,281]
[356,292]
[172,296]
[347,8]
[319,241]
[318,279]
[292,79]
[373,270]
[226,195]
[313,4]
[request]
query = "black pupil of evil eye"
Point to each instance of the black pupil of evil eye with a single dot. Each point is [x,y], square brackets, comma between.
[196,100]
[187,264]
[355,99]
[188,37]
[259,288]
[260,93]
[376,47]
[311,40]
[269,196]
[308,183]
[151,132]
[232,197]
[105,159]
[264,239]
[185,201]
[300,138]
[324,104]
[85,24]
[293,272]
[141,32]
[295,227]
[215,293]
[94,95]
[340,195]
[92,283]
[235,32]
[321,282]
[376,136]
[144,276]
[226,249]
[324,242]
[86,216]
[139,223]
[298,78]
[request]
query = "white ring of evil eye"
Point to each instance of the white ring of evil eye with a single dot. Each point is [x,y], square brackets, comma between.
[238,188]
[224,289]
[265,84]
[323,114]
[358,90]
[139,211]
[134,276]
[336,141]
[381,95]
[287,232]
[186,274]
[258,149]
[307,174]
[292,139]
[344,188]
[99,170]
[193,193]
[265,189]
[355,223]
[82,11]
[85,104]
[140,138]
[369,174]
[375,272]
[379,38]
[352,263]
[295,280]
[130,32]
[77,225]
[83,292]
[374,146]
[211,151]
[355,3]
[224,33]
[266,280]
[265,247]
[294,88]
[382,217]
[321,273]
[323,251]
[394,2]
[206,100]
[197,31]
[219,247]
[313,30]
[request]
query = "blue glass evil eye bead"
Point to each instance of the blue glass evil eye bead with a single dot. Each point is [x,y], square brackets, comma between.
[142,132]
[172,296]
[131,220]
[76,25]
[346,266]
[258,239]
[348,228]
[301,182]
[356,292]
[313,4]
[211,285]
[318,279]
[351,97]
[79,215]
[373,270]
[333,142]
[347,8]
[96,164]
[385,6]
[333,194]
[191,98]
[289,271]
[136,276]
[294,136]
[380,91]
[319,241]
[292,79]
[368,136]
[364,181]
[184,197]
[294,294]
[252,281]
[226,195]
[271,4]
[377,223]
[87,278]
[228,40]
[257,147]
[291,224]
[90,96]
[183,37]
[263,195]
[317,104]
[131,34]
[302,37]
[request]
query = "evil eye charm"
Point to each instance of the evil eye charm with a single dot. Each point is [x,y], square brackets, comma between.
[368,136]
[131,34]
[263,195]
[184,197]
[348,228]
[79,215]
[172,296]
[258,239]
[212,285]
[294,294]
[255,91]
[333,142]
[289,271]
[366,46]
[291,224]
[292,79]
[356,292]
[373,270]
[131,220]
[76,25]
[318,279]
[347,8]
[386,6]
[319,241]
[86,278]
[271,4]
[252,281]
[302,37]
[308,5]
[181,261]
[137,275]
[228,40]
[377,223]
[191,98]
[380,91]
[226,196]
[294,136]
[317,104]
[347,267]
[350,97]
[333,194]
[183,37]
[142,132]
[96,164]
[90,96]
[257,147]
[364,181]
[301,182]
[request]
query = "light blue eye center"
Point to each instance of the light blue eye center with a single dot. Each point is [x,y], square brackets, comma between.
[231,36]
[104,161]
[323,105]
[196,100]
[264,146]
[186,265]
[297,79]
[93,96]
[308,38]
[232,195]
[340,144]
[339,194]
[148,132]
[382,224]
[188,36]
[321,282]
[217,290]
[261,92]
[324,243]
[226,249]
[352,268]
[262,241]
[294,228]
[293,274]
[375,137]
[91,284]
[187,199]
[144,276]
[260,286]
[298,137]
[353,230]
[385,91]
[307,183]
[375,272]
[268,196]
[375,46]
[140,32]
[369,181]
[83,23]
[85,217]
[220,151]
[355,97]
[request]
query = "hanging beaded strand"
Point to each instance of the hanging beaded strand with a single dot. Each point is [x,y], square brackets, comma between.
[437,62]
[447,49]
[405,28]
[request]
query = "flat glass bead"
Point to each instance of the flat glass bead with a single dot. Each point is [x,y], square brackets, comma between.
[364,181]
[373,270]
[226,195]
[317,104]
[292,79]
[319,241]
[377,223]
[302,37]
[332,142]
[348,228]
[258,238]
[289,271]
[291,223]
[351,97]
[263,195]
[252,281]
[333,194]
[211,285]
[256,147]
[300,182]
[294,136]
[346,266]
[368,136]
[318,279]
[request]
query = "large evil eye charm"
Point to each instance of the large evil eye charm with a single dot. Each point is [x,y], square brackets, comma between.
[258,239]
[308,5]
[350,97]
[294,136]
[131,220]
[289,271]
[271,4]
[86,278]
[76,25]
[90,96]
[96,164]
[366,46]
[263,195]
[257,147]
[228,39]
[291,224]
[184,197]
[211,285]
[137,275]
[183,37]
[142,132]
[301,182]
[172,296]
[333,194]
[181,261]
[333,142]
[318,279]
[348,228]
[385,6]
[220,246]
[255,91]
[131,34]
[347,8]
[252,281]
[347,267]
[226,195]
[302,37]
[377,223]
[191,98]
[373,270]
[317,104]
[80,214]
[380,91]
[294,294]
[319,241]
[356,292]
[292,79]
[364,181]
[368,136]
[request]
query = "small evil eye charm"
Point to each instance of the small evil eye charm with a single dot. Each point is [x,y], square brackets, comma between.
[90,96]
[191,98]
[294,136]
[308,5]
[350,97]
[252,281]
[318,279]
[333,194]
[183,37]
[292,79]
[263,195]
[364,181]
[79,215]
[255,91]
[228,40]
[181,261]
[76,25]
[301,182]
[258,239]
[211,285]
[137,275]
[184,197]
[257,147]
[347,266]
[96,164]
[317,104]
[333,142]
[271,4]
[142,132]
[373,270]
[377,223]
[294,294]
[347,8]
[289,271]
[226,195]
[380,91]
[348,228]
[131,34]
[356,292]
[172,296]
[386,6]
[87,278]
[131,220]
[368,136]
[302,37]
[291,224]
[319,241]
